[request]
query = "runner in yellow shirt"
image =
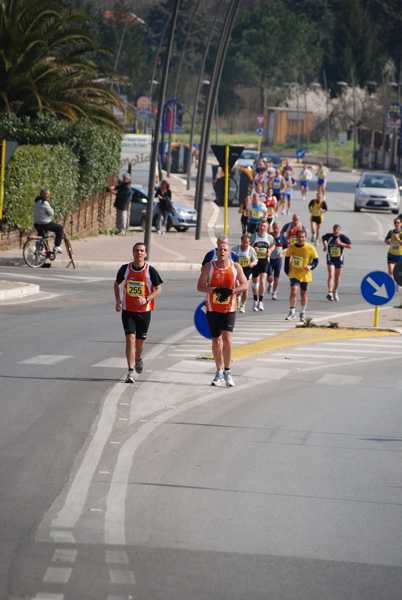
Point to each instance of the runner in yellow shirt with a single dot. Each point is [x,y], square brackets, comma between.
[300,259]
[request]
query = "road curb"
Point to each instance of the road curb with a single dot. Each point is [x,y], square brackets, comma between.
[11,290]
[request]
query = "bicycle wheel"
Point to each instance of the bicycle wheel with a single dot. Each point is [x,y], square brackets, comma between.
[69,251]
[34,253]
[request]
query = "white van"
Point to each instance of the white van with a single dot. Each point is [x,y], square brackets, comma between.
[136,151]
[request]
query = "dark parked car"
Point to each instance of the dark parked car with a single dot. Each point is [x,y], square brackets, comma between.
[181,219]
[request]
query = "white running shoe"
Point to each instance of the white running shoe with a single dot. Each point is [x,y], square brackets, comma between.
[330,296]
[336,297]
[242,308]
[270,288]
[260,305]
[130,377]
[57,250]
[302,317]
[139,365]
[229,378]
[255,305]
[274,297]
[291,316]
[218,379]
[312,238]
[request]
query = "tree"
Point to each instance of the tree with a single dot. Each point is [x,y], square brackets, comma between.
[46,65]
[269,46]
[353,45]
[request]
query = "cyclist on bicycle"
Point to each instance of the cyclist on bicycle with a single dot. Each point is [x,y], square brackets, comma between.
[42,214]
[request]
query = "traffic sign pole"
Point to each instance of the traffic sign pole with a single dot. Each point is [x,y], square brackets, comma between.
[376,313]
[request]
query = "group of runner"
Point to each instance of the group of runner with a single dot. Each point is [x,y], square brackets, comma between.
[225,277]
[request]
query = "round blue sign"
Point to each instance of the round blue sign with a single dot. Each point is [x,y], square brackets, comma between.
[260,131]
[378,288]
[200,321]
[300,153]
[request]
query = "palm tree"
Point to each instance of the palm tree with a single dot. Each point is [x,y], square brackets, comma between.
[46,64]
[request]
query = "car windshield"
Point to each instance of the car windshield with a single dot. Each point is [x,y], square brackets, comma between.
[378,181]
[249,154]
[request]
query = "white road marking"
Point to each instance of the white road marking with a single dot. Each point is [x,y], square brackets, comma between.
[57,574]
[62,537]
[112,363]
[338,379]
[121,577]
[44,359]
[118,557]
[64,555]
[74,503]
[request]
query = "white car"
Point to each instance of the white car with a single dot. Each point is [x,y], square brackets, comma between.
[247,158]
[378,191]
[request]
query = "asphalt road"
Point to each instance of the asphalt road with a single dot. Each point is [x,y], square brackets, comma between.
[287,486]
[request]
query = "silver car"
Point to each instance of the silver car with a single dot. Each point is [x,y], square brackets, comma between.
[378,191]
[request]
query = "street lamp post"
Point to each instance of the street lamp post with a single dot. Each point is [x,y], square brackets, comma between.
[344,86]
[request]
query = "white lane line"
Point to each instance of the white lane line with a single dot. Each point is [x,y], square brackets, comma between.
[64,555]
[62,537]
[44,359]
[338,379]
[122,577]
[293,360]
[118,557]
[318,351]
[74,503]
[57,574]
[46,596]
[192,366]
[112,363]
[313,355]
[114,533]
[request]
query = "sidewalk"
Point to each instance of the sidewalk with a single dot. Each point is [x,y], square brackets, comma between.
[173,251]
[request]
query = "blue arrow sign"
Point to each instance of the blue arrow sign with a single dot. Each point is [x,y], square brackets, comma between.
[377,288]
[300,153]
[260,131]
[200,321]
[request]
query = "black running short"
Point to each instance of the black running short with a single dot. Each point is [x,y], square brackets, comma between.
[136,323]
[219,322]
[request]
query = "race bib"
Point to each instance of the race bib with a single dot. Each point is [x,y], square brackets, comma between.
[261,253]
[217,301]
[395,247]
[293,239]
[136,288]
[244,261]
[335,251]
[270,211]
[316,212]
[297,262]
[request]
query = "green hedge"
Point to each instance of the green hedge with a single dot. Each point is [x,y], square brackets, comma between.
[72,159]
[31,169]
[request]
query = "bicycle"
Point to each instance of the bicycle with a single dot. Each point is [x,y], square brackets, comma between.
[36,251]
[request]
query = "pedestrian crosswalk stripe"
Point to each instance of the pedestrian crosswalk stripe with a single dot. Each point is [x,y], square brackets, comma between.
[44,359]
[339,379]
[113,363]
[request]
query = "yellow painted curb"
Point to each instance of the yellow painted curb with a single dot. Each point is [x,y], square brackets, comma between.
[298,336]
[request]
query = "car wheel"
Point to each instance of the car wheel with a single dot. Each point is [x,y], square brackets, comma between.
[357,208]
[168,224]
[395,211]
[181,228]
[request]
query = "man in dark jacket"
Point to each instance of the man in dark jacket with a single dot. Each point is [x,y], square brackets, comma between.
[123,194]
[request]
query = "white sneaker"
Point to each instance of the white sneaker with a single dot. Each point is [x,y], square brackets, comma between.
[57,250]
[242,308]
[218,379]
[336,297]
[274,297]
[260,305]
[291,316]
[139,365]
[302,317]
[229,378]
[270,288]
[130,377]
[255,305]
[312,239]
